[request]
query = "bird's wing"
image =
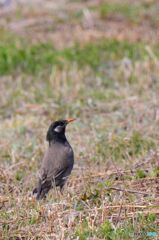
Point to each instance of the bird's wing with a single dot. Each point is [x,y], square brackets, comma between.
[57,163]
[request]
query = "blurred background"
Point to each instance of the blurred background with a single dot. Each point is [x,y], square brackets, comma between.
[97,61]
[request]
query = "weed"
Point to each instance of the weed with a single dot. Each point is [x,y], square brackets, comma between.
[131,12]
[32,59]
[119,147]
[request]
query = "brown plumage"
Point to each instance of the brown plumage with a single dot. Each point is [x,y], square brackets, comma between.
[58,161]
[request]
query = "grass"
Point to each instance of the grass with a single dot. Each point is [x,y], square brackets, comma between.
[111,87]
[131,12]
[15,56]
[122,148]
[109,232]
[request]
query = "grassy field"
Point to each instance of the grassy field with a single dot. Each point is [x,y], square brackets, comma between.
[97,61]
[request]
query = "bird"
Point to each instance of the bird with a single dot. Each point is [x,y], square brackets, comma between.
[57,162]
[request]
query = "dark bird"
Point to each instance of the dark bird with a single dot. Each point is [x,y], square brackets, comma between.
[58,161]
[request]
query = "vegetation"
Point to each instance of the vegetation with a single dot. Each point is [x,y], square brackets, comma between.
[99,63]
[18,56]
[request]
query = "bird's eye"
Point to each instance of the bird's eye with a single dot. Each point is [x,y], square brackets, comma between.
[61,124]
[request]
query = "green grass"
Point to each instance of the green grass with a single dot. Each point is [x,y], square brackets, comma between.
[111,87]
[140,173]
[123,148]
[131,12]
[17,56]
[83,231]
[126,231]
[106,230]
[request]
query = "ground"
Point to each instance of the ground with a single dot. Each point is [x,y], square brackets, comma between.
[97,61]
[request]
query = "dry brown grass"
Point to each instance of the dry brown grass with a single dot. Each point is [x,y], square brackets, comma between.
[115,137]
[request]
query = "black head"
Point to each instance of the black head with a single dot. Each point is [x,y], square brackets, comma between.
[56,130]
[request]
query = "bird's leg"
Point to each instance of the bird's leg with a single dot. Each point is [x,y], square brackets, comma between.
[35,191]
[43,193]
[62,188]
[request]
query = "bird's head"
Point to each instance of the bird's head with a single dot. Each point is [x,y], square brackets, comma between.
[57,129]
